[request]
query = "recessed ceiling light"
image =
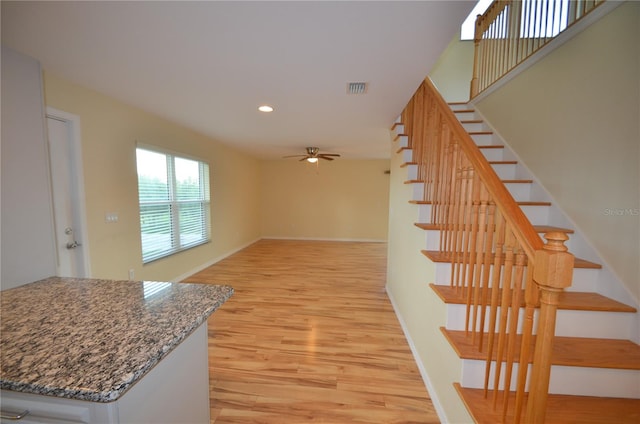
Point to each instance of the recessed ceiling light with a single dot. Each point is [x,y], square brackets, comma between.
[265,108]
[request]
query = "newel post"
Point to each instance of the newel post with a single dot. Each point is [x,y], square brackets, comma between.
[552,274]
[477,36]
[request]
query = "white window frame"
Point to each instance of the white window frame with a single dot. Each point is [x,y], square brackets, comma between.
[176,244]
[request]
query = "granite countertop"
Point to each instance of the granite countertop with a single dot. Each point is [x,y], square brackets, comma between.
[91,339]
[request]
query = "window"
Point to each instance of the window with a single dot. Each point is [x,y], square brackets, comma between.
[468,26]
[538,18]
[174,203]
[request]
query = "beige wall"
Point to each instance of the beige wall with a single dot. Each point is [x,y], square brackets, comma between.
[420,310]
[110,130]
[343,199]
[453,70]
[573,119]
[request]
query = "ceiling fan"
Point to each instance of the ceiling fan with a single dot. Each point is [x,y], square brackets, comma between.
[313,154]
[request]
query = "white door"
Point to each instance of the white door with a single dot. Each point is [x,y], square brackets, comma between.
[68,194]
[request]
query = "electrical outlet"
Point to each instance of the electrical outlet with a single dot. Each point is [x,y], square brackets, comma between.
[131,274]
[111,217]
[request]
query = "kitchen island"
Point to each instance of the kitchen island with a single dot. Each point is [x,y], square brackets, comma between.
[88,350]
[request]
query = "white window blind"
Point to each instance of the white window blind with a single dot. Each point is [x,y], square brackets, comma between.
[174,203]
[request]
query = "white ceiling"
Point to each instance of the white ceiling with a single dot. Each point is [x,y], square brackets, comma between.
[208,65]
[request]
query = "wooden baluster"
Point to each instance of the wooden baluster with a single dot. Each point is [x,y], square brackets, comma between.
[476,57]
[458,253]
[417,126]
[430,140]
[531,301]
[481,248]
[504,309]
[468,256]
[515,14]
[486,267]
[514,316]
[495,294]
[446,229]
[552,273]
[443,135]
[456,225]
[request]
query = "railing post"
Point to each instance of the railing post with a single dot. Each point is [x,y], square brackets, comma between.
[477,36]
[552,273]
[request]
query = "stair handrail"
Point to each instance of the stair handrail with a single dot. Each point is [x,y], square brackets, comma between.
[525,233]
[541,270]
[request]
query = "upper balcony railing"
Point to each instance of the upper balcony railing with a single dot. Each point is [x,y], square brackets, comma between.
[511,31]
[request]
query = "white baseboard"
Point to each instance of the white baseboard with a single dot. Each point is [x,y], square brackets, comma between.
[211,262]
[355,240]
[425,378]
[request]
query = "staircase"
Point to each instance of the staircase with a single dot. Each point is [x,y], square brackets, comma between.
[595,358]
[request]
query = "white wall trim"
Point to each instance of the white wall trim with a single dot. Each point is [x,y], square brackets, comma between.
[442,416]
[356,240]
[212,262]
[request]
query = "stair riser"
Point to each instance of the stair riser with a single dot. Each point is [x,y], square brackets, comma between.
[521,192]
[466,116]
[584,279]
[399,129]
[460,106]
[505,172]
[485,139]
[407,156]
[536,214]
[595,324]
[582,381]
[493,154]
[403,141]
[412,172]
[474,126]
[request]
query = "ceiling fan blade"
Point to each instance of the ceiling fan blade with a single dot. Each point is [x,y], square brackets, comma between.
[293,156]
[304,158]
[325,157]
[329,154]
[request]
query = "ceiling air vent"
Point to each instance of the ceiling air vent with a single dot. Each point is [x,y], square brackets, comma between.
[357,88]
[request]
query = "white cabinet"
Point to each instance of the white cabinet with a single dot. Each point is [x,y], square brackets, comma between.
[176,391]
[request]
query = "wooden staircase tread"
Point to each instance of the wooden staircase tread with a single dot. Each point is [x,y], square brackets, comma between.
[533,203]
[472,121]
[561,409]
[414,181]
[397,137]
[539,228]
[438,256]
[464,111]
[575,301]
[503,162]
[479,132]
[396,125]
[491,146]
[522,181]
[401,149]
[404,165]
[567,351]
[457,103]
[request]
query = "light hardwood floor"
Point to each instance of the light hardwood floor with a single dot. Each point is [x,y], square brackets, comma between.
[310,337]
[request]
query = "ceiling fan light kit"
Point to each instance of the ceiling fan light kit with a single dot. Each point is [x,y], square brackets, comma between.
[313,154]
